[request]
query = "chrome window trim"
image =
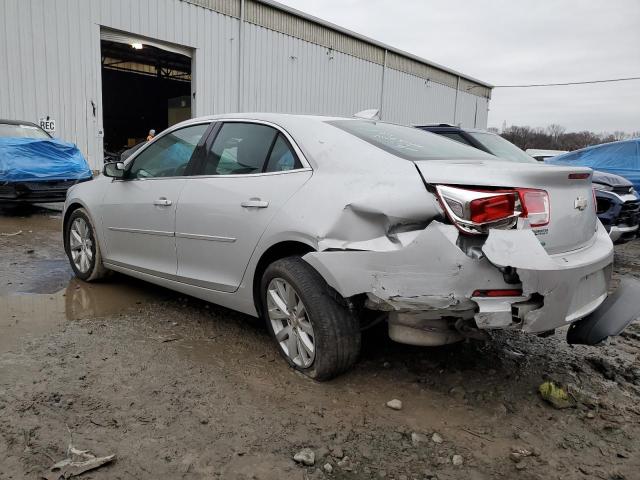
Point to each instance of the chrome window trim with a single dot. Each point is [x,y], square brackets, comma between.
[196,177]
[306,166]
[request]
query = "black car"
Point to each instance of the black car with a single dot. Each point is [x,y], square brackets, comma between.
[618,205]
[35,167]
[617,202]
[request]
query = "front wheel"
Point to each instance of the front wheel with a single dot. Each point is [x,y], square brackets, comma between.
[315,333]
[82,247]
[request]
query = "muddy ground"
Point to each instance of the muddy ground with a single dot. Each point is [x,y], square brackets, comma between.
[178,388]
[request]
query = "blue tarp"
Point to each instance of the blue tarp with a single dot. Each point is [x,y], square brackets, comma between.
[620,158]
[29,159]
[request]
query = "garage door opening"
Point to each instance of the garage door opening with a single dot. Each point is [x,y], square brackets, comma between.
[144,87]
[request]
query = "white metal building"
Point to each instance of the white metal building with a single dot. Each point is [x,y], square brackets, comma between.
[91,66]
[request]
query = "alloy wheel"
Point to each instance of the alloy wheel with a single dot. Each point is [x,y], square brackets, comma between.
[81,245]
[290,322]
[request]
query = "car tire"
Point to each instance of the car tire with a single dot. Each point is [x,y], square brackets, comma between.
[82,247]
[335,338]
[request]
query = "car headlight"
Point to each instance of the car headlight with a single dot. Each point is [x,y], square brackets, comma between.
[602,187]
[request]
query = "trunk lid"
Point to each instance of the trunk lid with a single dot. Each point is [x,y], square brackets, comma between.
[573,220]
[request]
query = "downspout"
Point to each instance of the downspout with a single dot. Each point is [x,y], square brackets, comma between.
[475,116]
[455,106]
[384,68]
[240,56]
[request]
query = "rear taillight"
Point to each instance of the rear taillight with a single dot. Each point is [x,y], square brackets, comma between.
[476,211]
[535,206]
[490,209]
[513,292]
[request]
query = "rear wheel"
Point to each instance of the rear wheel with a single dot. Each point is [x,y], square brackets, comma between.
[314,332]
[82,248]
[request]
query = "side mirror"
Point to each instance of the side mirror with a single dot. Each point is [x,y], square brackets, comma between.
[114,170]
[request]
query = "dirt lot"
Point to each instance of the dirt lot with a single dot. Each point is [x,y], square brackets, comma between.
[177,388]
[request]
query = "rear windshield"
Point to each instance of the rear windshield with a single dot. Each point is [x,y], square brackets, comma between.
[502,148]
[408,142]
[21,131]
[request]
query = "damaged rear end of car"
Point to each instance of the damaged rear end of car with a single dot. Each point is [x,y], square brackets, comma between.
[491,245]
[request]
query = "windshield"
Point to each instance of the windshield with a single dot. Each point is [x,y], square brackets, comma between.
[408,142]
[21,131]
[502,148]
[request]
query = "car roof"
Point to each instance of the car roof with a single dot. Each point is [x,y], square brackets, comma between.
[18,122]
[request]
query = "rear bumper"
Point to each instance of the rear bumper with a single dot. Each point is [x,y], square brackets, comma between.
[432,277]
[570,285]
[43,191]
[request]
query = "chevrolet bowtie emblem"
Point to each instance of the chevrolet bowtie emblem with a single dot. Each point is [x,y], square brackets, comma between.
[580,203]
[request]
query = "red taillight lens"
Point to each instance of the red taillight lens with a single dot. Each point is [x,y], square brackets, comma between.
[535,206]
[476,211]
[516,292]
[491,209]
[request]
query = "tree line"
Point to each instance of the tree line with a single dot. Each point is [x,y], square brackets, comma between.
[555,137]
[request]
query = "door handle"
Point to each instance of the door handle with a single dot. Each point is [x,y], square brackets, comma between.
[162,202]
[255,203]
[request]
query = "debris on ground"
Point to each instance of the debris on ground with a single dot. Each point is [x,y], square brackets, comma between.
[76,463]
[417,438]
[3,234]
[457,460]
[306,456]
[519,453]
[395,404]
[555,395]
[218,403]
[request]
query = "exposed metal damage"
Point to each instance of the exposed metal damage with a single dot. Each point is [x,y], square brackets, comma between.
[426,279]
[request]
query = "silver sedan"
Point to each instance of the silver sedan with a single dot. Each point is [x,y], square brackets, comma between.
[324,225]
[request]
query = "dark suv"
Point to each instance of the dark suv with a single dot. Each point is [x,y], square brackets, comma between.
[617,202]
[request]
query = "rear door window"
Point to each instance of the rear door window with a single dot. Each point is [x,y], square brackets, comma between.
[242,148]
[282,158]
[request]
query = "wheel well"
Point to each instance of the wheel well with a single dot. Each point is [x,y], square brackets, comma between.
[273,253]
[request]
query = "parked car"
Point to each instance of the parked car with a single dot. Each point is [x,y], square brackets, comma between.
[480,139]
[618,158]
[318,223]
[34,167]
[542,155]
[618,206]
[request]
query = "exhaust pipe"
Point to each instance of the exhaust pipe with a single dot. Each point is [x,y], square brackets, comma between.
[611,318]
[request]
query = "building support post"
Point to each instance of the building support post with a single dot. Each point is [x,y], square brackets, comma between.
[241,57]
[384,68]
[455,106]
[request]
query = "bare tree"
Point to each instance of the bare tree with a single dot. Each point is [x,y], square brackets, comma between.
[555,131]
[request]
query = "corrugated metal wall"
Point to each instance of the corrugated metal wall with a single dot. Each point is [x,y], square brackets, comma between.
[50,65]
[284,74]
[50,58]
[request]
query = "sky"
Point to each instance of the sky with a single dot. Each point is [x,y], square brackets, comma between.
[505,42]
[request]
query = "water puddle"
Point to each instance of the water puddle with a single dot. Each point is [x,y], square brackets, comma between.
[30,315]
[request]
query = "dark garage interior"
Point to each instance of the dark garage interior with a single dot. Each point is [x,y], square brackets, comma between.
[143,88]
